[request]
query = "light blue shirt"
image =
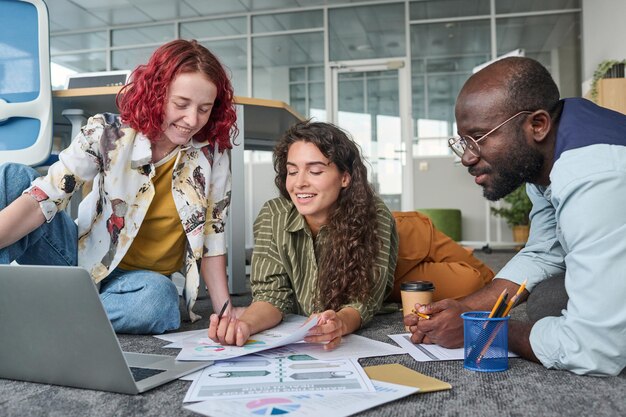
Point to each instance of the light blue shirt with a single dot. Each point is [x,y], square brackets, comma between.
[578,226]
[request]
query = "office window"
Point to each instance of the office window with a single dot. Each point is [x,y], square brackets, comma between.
[141,35]
[83,62]
[232,54]
[516,6]
[79,41]
[306,90]
[213,28]
[121,12]
[443,56]
[317,94]
[128,59]
[273,58]
[287,21]
[288,61]
[553,40]
[435,9]
[367,32]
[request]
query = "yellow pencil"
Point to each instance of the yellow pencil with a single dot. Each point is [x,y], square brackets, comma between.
[422,315]
[508,308]
[492,337]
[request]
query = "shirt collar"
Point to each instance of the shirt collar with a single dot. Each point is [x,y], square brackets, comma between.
[195,144]
[295,221]
[142,149]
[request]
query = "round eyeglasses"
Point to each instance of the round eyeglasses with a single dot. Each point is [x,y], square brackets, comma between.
[460,144]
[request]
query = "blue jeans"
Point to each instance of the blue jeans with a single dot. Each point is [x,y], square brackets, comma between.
[139,302]
[54,243]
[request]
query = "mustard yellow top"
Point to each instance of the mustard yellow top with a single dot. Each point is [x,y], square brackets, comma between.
[160,242]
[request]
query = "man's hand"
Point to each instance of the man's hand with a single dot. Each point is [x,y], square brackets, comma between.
[445,326]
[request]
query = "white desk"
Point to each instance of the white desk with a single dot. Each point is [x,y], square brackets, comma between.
[261,122]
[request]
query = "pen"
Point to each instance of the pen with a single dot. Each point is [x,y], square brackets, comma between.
[422,315]
[219,316]
[513,301]
[502,307]
[497,304]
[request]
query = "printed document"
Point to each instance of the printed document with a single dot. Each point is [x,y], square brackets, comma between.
[352,346]
[292,329]
[304,405]
[253,375]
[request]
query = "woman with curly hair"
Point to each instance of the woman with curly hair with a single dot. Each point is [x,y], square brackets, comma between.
[328,244]
[161,174]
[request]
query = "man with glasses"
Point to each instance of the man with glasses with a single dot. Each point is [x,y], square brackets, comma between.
[513,129]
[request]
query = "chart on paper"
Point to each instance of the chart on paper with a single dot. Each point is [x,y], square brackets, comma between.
[291,330]
[254,375]
[327,404]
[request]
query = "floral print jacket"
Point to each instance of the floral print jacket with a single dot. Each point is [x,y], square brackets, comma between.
[118,160]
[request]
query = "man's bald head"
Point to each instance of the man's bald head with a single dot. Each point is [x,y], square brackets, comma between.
[520,83]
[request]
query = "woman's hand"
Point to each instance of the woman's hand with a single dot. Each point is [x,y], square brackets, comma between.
[329,330]
[237,311]
[238,323]
[229,330]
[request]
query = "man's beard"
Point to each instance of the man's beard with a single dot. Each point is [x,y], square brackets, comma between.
[521,164]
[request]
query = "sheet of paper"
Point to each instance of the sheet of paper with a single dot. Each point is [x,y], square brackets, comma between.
[291,330]
[395,373]
[304,405]
[253,375]
[199,337]
[352,346]
[427,353]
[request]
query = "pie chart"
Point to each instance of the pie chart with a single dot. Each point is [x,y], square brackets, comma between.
[209,348]
[272,406]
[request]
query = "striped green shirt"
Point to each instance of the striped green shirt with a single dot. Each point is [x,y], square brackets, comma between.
[284,267]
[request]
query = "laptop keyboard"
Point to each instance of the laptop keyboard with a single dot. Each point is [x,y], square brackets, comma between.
[143,373]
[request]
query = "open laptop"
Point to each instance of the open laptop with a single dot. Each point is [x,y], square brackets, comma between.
[54,330]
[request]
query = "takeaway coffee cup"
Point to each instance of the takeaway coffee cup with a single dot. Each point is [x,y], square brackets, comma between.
[413,292]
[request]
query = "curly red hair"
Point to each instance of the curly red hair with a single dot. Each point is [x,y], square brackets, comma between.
[142,100]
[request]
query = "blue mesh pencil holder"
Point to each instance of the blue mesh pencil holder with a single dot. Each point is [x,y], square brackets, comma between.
[485,342]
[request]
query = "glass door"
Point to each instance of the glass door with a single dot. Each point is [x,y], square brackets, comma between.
[370,103]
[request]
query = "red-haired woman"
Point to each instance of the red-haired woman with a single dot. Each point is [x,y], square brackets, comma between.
[161,174]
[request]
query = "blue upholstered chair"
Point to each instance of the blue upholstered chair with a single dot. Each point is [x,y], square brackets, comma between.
[25,92]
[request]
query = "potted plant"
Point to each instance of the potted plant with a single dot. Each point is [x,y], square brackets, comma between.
[602,69]
[516,213]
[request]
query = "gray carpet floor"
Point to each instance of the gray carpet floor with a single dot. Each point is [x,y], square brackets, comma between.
[525,389]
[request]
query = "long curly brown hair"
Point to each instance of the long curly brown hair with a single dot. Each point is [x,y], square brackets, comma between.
[346,262]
